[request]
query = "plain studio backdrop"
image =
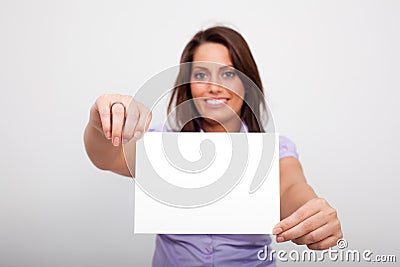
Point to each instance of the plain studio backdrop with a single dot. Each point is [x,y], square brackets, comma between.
[330,70]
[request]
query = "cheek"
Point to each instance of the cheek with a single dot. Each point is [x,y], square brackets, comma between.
[236,87]
[237,104]
[238,94]
[197,89]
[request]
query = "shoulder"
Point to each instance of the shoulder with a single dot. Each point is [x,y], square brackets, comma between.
[287,148]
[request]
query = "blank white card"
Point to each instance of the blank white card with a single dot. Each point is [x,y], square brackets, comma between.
[206,183]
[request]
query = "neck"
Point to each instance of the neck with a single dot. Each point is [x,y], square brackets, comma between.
[232,125]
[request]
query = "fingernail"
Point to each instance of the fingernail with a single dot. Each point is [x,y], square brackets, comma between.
[116,141]
[124,140]
[280,239]
[108,135]
[277,231]
[137,135]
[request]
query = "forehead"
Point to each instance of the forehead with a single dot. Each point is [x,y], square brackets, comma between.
[212,52]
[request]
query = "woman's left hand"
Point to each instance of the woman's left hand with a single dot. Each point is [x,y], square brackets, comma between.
[314,224]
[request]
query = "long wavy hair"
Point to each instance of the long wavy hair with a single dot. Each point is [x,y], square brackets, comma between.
[242,60]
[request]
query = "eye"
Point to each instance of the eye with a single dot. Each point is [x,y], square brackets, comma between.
[200,75]
[228,74]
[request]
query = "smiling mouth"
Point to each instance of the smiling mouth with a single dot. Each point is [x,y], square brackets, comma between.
[216,102]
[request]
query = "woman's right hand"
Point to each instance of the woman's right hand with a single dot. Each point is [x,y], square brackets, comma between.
[124,120]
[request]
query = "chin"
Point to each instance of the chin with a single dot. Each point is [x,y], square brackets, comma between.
[212,119]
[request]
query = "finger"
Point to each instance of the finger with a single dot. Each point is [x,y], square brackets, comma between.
[144,121]
[132,118]
[307,210]
[324,244]
[149,118]
[105,116]
[315,236]
[308,225]
[118,118]
[332,228]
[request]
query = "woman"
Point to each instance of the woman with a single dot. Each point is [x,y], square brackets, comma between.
[305,218]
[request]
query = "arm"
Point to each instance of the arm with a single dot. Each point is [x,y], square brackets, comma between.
[295,191]
[305,218]
[109,125]
[103,154]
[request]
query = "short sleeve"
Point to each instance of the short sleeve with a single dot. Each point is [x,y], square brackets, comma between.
[157,128]
[287,148]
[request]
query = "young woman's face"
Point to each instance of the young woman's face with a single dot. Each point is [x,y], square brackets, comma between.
[217,87]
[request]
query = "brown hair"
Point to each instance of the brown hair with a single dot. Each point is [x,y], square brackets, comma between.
[242,60]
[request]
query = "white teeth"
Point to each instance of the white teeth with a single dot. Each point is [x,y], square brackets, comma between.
[216,101]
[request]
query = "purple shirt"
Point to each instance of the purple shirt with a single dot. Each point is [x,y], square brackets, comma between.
[175,250]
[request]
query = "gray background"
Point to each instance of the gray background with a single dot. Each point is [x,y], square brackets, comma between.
[331,70]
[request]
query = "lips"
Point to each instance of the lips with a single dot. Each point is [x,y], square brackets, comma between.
[216,102]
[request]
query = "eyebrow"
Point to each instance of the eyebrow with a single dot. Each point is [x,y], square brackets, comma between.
[205,68]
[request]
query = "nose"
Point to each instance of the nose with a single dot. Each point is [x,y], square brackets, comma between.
[214,88]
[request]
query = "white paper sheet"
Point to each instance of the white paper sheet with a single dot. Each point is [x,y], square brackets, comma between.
[238,212]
